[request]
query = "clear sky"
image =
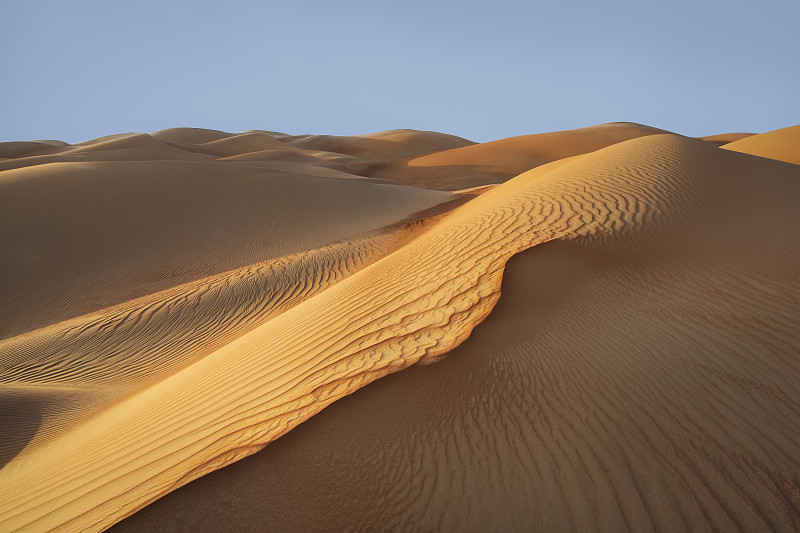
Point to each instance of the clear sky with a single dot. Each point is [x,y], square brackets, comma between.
[479,69]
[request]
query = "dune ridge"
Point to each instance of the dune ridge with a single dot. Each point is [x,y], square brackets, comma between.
[165,223]
[152,393]
[498,161]
[782,145]
[112,353]
[721,139]
[642,378]
[382,146]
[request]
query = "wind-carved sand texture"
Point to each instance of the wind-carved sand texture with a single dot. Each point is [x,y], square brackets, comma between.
[169,316]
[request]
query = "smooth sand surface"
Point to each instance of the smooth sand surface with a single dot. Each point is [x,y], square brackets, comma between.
[498,161]
[638,369]
[383,146]
[29,148]
[83,236]
[724,138]
[782,144]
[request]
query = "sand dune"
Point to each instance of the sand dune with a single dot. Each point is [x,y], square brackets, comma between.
[497,161]
[293,157]
[721,139]
[165,223]
[136,141]
[113,155]
[190,135]
[638,373]
[383,146]
[9,150]
[641,376]
[782,144]
[102,357]
[235,145]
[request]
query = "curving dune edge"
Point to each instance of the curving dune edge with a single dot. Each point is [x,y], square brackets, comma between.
[663,269]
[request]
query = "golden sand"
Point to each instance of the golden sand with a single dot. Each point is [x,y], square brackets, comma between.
[616,306]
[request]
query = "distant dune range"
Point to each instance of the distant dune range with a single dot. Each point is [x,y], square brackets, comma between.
[175,301]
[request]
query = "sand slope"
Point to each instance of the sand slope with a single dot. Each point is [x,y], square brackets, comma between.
[165,223]
[382,146]
[28,148]
[782,144]
[721,139]
[497,161]
[641,377]
[640,373]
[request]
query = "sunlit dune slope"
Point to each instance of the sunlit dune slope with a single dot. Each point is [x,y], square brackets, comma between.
[670,267]
[497,161]
[782,144]
[175,301]
[58,376]
[638,373]
[721,139]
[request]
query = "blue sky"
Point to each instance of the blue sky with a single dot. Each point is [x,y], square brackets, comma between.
[482,70]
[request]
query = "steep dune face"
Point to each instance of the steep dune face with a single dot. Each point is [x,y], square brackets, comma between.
[782,144]
[639,373]
[497,161]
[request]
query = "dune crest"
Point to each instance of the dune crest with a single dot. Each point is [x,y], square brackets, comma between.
[498,161]
[291,285]
[782,144]
[382,146]
[721,139]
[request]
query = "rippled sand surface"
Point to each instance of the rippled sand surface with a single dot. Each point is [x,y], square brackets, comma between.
[612,313]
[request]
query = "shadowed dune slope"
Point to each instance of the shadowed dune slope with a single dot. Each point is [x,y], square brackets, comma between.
[641,376]
[15,149]
[381,146]
[242,143]
[190,135]
[497,161]
[782,144]
[645,380]
[280,154]
[137,141]
[194,144]
[78,237]
[112,154]
[69,371]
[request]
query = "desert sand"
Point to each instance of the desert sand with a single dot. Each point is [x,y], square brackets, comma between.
[782,144]
[612,313]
